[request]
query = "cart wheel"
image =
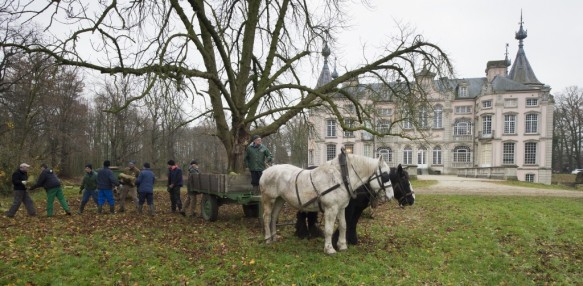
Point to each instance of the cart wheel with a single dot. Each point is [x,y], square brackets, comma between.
[209,207]
[251,210]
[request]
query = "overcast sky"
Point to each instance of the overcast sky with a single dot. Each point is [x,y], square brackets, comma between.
[475,32]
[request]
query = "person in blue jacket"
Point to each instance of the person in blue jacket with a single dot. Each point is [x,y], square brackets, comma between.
[145,183]
[106,181]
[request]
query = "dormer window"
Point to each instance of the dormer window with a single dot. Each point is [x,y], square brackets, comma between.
[463,91]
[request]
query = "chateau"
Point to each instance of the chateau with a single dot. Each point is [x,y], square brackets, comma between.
[497,126]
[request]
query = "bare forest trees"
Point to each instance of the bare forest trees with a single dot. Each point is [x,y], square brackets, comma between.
[568,130]
[244,60]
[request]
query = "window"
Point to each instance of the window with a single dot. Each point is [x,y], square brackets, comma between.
[463,109]
[486,104]
[330,152]
[529,178]
[368,150]
[385,112]
[349,148]
[510,102]
[422,156]
[487,124]
[463,91]
[383,126]
[437,156]
[407,124]
[532,102]
[423,118]
[461,154]
[330,128]
[350,123]
[530,153]
[438,116]
[365,134]
[508,153]
[407,156]
[462,127]
[509,124]
[531,123]
[386,154]
[350,108]
[311,157]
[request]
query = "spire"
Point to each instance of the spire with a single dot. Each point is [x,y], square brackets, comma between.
[521,71]
[325,76]
[335,72]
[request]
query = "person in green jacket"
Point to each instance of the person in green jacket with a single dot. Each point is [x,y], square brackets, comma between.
[88,187]
[256,157]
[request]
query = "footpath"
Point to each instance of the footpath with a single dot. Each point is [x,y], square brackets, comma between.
[453,185]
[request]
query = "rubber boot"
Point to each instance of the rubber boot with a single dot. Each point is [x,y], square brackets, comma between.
[99,209]
[111,209]
[140,209]
[81,208]
[151,207]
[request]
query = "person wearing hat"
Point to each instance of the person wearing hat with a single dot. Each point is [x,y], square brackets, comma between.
[128,181]
[21,195]
[145,183]
[256,157]
[191,192]
[106,181]
[51,183]
[88,187]
[174,185]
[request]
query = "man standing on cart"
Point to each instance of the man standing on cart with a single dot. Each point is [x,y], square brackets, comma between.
[256,157]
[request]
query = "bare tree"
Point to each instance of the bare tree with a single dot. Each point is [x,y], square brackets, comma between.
[246,54]
[568,129]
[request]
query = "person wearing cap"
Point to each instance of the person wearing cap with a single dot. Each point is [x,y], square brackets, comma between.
[145,183]
[88,187]
[21,195]
[106,181]
[256,157]
[51,183]
[128,182]
[174,185]
[190,202]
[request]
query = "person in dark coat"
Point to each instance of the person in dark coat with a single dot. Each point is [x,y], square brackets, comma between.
[106,181]
[190,203]
[88,187]
[145,183]
[174,185]
[49,181]
[21,195]
[256,158]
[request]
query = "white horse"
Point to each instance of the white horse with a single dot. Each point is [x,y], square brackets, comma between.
[321,189]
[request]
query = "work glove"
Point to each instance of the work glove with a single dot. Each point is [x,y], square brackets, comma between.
[24,182]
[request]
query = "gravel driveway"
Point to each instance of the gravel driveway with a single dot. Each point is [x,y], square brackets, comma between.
[472,186]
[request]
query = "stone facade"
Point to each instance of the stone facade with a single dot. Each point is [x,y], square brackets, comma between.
[497,126]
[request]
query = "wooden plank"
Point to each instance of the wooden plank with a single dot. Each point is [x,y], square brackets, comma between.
[238,183]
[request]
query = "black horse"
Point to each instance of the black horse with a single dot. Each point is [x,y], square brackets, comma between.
[306,221]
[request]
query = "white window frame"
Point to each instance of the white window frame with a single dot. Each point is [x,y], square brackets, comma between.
[509,123]
[462,127]
[330,128]
[530,150]
[532,102]
[487,104]
[508,153]
[437,156]
[330,151]
[422,156]
[386,153]
[487,125]
[407,156]
[350,123]
[438,116]
[530,177]
[462,154]
[531,123]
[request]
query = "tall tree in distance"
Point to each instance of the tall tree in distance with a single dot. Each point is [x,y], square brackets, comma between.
[242,59]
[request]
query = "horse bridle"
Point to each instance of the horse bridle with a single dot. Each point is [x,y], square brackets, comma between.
[402,190]
[378,177]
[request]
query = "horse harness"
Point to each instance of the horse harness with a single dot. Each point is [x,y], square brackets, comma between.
[345,177]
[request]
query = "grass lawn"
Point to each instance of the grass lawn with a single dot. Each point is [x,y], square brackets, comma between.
[441,240]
